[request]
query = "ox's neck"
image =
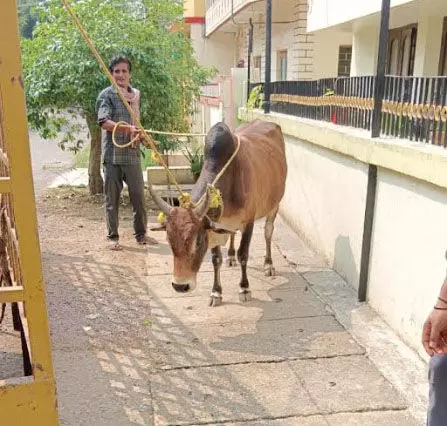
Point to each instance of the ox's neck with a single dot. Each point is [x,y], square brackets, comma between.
[209,172]
[206,177]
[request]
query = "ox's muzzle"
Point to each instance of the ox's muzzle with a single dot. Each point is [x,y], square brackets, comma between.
[181,288]
[183,285]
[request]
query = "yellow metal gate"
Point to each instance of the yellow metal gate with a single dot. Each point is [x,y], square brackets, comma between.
[30,400]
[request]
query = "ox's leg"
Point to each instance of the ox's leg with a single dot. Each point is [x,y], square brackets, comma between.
[268,232]
[232,252]
[242,257]
[216,294]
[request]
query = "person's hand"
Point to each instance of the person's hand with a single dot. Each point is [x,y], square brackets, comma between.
[134,135]
[134,132]
[434,333]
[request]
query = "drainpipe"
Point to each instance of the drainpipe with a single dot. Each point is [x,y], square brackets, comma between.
[379,88]
[379,92]
[250,51]
[268,55]
[367,232]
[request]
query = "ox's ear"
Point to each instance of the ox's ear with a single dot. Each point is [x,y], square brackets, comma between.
[218,228]
[158,227]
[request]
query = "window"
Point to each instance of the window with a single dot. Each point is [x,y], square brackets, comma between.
[406,56]
[401,50]
[281,65]
[344,61]
[393,65]
[443,55]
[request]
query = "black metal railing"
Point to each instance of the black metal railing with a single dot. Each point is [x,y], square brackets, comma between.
[414,108]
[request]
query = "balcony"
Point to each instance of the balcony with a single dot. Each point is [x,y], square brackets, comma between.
[210,90]
[414,108]
[220,11]
[324,14]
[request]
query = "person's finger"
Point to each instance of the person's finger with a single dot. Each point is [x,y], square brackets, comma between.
[435,338]
[426,337]
[443,342]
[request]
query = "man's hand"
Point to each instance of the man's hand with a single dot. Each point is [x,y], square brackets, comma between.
[133,131]
[435,328]
[130,130]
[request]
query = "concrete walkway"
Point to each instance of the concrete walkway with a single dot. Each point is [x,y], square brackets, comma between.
[302,352]
[281,359]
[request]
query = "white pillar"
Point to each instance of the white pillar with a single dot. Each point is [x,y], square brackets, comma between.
[428,45]
[365,44]
[302,61]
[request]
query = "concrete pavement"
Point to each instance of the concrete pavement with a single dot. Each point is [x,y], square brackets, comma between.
[282,358]
[129,351]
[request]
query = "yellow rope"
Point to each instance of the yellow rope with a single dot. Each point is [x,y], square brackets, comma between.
[158,132]
[125,145]
[219,175]
[216,196]
[136,138]
[184,198]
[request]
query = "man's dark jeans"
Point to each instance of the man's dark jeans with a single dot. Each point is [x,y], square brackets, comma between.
[114,176]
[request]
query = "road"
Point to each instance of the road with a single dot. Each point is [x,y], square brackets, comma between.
[48,161]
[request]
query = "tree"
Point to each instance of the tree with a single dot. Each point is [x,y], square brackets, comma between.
[27,19]
[63,79]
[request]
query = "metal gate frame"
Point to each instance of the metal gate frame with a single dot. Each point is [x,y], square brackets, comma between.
[29,400]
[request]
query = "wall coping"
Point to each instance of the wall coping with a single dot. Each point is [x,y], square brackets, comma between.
[421,161]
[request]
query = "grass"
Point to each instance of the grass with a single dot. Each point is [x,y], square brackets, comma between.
[81,157]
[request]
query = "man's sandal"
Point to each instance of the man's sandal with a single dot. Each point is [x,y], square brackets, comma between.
[146,240]
[114,245]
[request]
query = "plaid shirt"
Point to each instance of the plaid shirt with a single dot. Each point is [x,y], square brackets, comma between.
[110,107]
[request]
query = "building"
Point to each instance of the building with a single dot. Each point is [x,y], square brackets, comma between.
[417,36]
[295,53]
[219,31]
[375,208]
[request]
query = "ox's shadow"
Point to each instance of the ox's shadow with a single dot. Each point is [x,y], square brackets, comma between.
[108,313]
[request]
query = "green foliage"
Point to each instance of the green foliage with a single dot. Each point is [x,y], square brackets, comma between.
[147,159]
[63,79]
[27,18]
[256,98]
[195,157]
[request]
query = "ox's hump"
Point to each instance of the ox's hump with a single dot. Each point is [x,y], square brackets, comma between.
[219,143]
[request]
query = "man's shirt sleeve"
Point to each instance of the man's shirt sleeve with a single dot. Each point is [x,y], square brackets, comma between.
[104,108]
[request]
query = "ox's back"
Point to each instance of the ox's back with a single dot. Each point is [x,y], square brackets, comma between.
[254,182]
[263,164]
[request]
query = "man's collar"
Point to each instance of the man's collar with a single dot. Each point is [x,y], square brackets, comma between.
[129,88]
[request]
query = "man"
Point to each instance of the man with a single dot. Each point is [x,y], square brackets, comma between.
[434,339]
[121,164]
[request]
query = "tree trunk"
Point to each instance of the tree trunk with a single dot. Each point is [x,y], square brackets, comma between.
[95,182]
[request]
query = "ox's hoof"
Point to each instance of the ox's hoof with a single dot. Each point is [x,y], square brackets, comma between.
[269,270]
[215,300]
[231,261]
[245,295]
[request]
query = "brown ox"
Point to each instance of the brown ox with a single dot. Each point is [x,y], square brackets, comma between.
[252,187]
